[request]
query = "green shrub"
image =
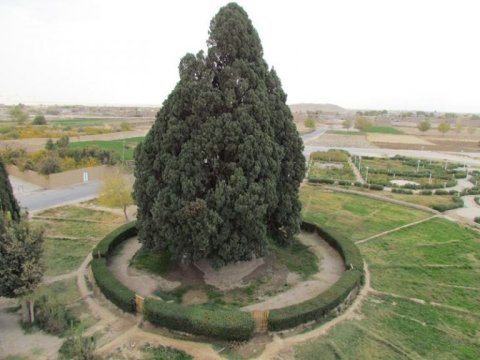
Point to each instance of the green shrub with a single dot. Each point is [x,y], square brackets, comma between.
[77,347]
[216,322]
[109,242]
[316,308]
[113,289]
[402,191]
[441,192]
[166,353]
[358,184]
[52,317]
[344,183]
[322,181]
[426,192]
[457,203]
[375,187]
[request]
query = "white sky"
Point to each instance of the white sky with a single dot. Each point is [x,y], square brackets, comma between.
[406,54]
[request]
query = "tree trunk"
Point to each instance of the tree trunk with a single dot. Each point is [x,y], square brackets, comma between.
[125,212]
[25,312]
[32,310]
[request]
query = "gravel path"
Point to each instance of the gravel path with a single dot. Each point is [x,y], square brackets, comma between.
[142,284]
[15,342]
[331,268]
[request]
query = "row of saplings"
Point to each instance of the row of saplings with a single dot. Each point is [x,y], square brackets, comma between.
[221,322]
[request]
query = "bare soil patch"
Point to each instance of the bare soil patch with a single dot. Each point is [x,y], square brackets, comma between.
[338,140]
[396,139]
[332,267]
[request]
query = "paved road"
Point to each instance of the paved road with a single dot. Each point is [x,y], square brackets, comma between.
[43,199]
[467,158]
[313,135]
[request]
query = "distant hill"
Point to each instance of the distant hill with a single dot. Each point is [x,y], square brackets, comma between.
[327,108]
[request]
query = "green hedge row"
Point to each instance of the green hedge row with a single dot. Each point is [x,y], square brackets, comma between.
[402,191]
[113,289]
[345,247]
[109,242]
[321,181]
[216,322]
[457,203]
[316,308]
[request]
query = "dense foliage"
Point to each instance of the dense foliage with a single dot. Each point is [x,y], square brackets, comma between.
[58,157]
[8,204]
[222,164]
[21,251]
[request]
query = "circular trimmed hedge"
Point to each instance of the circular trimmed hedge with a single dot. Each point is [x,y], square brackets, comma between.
[220,321]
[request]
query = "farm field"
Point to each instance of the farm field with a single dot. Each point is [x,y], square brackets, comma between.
[424,297]
[383,130]
[114,145]
[70,234]
[331,164]
[354,216]
[86,122]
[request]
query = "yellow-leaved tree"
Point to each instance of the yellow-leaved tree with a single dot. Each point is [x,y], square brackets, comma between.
[116,191]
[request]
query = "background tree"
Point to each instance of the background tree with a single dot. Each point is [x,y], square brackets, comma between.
[18,113]
[116,191]
[8,204]
[362,123]
[21,267]
[39,120]
[458,128]
[444,127]
[221,166]
[309,123]
[347,124]
[424,126]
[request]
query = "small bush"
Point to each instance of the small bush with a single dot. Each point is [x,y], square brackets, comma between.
[426,192]
[108,243]
[217,322]
[113,289]
[344,183]
[402,191]
[441,192]
[166,353]
[52,317]
[77,347]
[358,184]
[322,181]
[375,187]
[477,219]
[39,120]
[457,203]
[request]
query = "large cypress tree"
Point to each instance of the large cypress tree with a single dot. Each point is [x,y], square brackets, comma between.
[8,204]
[221,166]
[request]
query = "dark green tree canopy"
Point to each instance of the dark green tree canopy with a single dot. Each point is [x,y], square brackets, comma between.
[8,204]
[221,166]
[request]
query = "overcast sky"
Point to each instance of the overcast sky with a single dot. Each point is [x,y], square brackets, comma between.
[407,54]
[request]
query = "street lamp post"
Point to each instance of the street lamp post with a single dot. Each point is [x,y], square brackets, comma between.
[366,176]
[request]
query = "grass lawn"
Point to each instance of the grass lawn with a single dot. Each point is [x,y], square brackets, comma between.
[354,216]
[383,130]
[114,145]
[84,122]
[390,327]
[70,234]
[399,263]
